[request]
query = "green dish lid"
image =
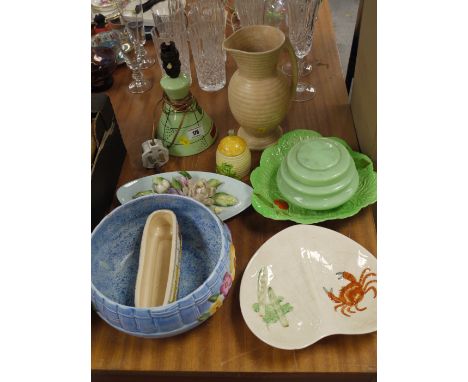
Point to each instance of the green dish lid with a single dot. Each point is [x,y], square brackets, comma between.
[318,162]
[328,189]
[318,202]
[318,174]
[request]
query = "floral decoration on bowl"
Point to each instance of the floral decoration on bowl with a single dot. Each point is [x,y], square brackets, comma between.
[268,201]
[217,299]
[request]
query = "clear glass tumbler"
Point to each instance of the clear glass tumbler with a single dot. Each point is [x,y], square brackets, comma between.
[302,15]
[206,24]
[172,27]
[250,12]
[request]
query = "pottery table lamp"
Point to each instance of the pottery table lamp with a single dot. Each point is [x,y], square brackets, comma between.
[259,94]
[233,157]
[184,128]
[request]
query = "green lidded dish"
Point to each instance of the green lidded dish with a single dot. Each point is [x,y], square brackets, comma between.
[317,174]
[268,201]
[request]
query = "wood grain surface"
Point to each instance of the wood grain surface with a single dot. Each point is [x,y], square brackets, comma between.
[223,343]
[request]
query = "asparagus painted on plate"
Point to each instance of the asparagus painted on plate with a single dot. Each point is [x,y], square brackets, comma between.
[275,303]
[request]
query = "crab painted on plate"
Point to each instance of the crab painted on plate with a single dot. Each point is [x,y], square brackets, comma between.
[353,293]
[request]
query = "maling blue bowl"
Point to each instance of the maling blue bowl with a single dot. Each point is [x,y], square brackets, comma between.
[206,267]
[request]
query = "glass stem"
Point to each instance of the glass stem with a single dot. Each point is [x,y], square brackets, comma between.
[137,75]
[300,66]
[141,52]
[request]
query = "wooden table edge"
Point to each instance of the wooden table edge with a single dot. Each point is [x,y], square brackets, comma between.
[206,376]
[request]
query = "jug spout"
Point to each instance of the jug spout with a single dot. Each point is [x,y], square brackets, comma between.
[255,49]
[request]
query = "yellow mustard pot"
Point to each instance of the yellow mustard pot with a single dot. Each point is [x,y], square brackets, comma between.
[233,157]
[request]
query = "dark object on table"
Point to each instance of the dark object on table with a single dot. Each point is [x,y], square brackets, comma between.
[170,59]
[100,24]
[103,64]
[108,159]
[147,6]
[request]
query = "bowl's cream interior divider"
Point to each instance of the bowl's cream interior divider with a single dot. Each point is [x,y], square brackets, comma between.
[157,249]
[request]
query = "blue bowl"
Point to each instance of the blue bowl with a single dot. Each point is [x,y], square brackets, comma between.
[206,267]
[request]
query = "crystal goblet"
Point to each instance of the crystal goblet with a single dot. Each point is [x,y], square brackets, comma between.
[128,11]
[128,49]
[302,16]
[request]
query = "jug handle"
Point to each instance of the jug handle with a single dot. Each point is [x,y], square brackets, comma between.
[292,56]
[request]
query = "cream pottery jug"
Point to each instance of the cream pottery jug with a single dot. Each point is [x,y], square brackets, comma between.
[259,93]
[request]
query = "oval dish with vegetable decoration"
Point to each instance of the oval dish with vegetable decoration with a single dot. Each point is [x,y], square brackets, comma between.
[226,196]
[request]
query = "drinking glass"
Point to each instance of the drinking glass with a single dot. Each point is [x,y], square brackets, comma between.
[172,27]
[129,44]
[275,13]
[206,24]
[307,63]
[131,15]
[250,12]
[302,15]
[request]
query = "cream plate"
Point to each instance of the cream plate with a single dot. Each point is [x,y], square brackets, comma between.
[242,191]
[303,284]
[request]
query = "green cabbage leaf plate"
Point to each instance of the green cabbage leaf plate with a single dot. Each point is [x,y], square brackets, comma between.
[263,180]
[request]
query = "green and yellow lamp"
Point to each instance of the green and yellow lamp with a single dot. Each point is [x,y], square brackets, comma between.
[184,128]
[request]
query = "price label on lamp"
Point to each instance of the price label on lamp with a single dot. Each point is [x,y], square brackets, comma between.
[195,133]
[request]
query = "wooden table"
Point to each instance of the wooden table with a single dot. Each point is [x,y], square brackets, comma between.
[223,346]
